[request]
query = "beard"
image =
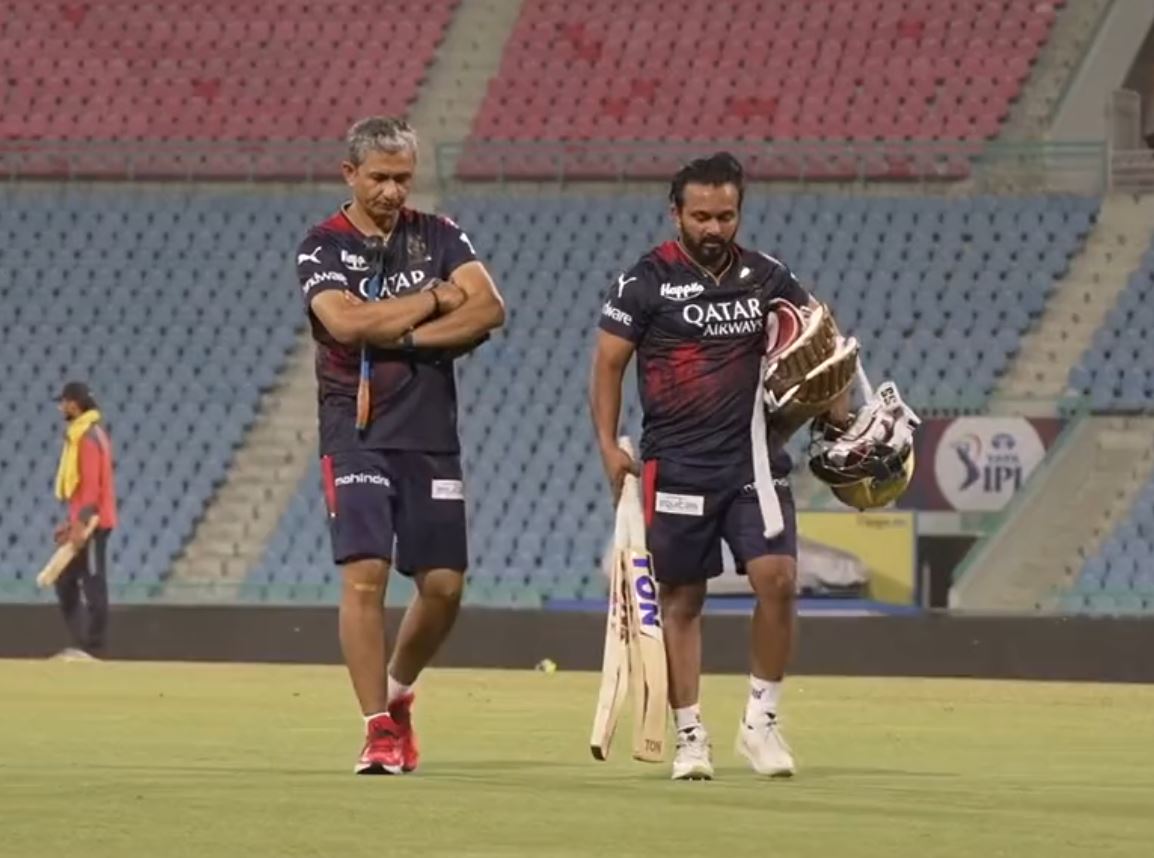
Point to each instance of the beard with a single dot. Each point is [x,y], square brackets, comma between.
[709,253]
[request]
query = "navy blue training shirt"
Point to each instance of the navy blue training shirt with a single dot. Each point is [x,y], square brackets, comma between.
[414,396]
[699,344]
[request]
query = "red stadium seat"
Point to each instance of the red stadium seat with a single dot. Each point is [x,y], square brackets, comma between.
[585,70]
[169,70]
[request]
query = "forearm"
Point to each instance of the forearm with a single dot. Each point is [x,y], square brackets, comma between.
[383,323]
[605,401]
[840,411]
[463,326]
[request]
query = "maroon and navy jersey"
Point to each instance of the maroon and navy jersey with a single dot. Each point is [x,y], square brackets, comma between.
[699,344]
[414,396]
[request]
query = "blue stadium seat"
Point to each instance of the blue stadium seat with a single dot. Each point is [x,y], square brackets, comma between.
[1122,570]
[170,317]
[1113,370]
[939,290]
[906,275]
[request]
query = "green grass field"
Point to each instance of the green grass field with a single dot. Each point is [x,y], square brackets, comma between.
[197,760]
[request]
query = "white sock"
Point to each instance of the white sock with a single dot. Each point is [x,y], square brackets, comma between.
[763,699]
[687,717]
[369,718]
[396,690]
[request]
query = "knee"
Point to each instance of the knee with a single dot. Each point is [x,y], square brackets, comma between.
[364,581]
[682,604]
[776,581]
[444,587]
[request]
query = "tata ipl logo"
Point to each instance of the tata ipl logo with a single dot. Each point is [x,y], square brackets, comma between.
[1000,468]
[981,462]
[969,450]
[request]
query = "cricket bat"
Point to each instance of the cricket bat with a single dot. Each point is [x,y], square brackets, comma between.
[62,556]
[614,667]
[634,661]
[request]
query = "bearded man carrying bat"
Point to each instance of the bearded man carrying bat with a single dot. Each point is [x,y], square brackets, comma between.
[734,356]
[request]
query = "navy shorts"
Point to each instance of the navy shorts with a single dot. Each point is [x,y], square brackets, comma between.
[689,509]
[398,505]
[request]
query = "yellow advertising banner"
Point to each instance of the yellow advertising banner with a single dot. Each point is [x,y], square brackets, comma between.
[881,544]
[860,554]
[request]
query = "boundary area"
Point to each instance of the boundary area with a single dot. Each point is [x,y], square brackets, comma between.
[1073,648]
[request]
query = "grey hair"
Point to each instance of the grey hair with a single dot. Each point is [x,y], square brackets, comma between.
[380,134]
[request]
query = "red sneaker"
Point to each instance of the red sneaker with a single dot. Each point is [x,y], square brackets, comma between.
[382,752]
[401,711]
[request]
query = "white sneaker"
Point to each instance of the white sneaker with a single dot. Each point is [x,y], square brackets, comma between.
[73,654]
[765,748]
[692,760]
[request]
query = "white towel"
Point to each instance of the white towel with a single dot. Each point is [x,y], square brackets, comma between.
[762,475]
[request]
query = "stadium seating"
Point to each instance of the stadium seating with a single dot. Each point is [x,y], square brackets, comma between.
[179,307]
[1120,577]
[939,290]
[183,351]
[1117,371]
[171,71]
[755,70]
[1115,376]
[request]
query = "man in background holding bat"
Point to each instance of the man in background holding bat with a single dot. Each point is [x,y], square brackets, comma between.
[85,480]
[393,296]
[697,310]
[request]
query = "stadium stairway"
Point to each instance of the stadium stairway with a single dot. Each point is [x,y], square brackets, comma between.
[1037,377]
[264,474]
[1073,30]
[1062,516]
[458,78]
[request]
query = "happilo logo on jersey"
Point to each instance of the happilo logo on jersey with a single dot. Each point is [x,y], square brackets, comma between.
[726,318]
[981,462]
[681,291]
[353,262]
